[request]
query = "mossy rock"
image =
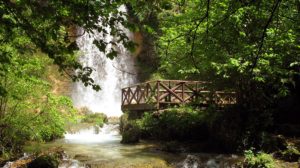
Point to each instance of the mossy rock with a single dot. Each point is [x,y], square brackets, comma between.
[131,134]
[123,122]
[47,161]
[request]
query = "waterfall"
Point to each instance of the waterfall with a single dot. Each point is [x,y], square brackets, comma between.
[111,75]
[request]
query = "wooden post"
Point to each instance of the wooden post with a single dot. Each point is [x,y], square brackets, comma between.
[122,97]
[157,87]
[197,93]
[147,93]
[182,92]
[169,97]
[137,94]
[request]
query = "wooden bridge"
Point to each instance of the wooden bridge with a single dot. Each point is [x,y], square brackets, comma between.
[156,95]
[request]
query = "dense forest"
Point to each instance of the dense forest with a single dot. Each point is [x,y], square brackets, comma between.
[251,47]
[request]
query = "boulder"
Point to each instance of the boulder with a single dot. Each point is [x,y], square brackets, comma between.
[46,161]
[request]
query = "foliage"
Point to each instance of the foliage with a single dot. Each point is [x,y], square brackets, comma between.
[96,118]
[251,47]
[262,160]
[245,43]
[220,38]
[181,123]
[52,27]
[130,133]
[28,110]
[56,112]
[156,76]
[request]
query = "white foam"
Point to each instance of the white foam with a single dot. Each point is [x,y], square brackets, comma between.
[108,133]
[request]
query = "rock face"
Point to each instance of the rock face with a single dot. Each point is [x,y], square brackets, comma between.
[46,161]
[191,161]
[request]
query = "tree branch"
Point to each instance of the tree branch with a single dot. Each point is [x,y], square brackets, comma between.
[264,35]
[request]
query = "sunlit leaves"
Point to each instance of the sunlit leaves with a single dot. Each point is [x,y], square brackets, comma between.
[28,110]
[235,32]
[100,44]
[112,54]
[51,26]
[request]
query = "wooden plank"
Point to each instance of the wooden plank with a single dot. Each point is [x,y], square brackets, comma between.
[170,91]
[157,100]
[132,96]
[141,95]
[172,81]
[122,96]
[182,92]
[126,96]
[139,107]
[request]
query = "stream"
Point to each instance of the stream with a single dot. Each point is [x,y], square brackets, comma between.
[96,147]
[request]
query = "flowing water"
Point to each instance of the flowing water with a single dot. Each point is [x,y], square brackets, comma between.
[94,147]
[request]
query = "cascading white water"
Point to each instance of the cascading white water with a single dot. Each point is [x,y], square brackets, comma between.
[108,133]
[111,75]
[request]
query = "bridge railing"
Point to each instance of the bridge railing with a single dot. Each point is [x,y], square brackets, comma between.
[166,92]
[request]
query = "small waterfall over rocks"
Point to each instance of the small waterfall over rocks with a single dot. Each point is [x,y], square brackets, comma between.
[111,75]
[95,134]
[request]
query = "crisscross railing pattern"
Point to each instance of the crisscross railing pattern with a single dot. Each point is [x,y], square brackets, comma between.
[160,93]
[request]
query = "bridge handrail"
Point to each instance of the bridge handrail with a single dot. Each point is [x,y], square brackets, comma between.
[174,92]
[178,81]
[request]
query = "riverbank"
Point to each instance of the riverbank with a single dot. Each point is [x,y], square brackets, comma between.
[186,129]
[89,148]
[93,146]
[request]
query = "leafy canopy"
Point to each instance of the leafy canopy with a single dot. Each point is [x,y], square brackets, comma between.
[51,27]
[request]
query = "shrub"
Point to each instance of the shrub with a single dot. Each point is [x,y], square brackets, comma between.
[181,123]
[95,118]
[261,160]
[44,124]
[129,129]
[131,133]
[123,122]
